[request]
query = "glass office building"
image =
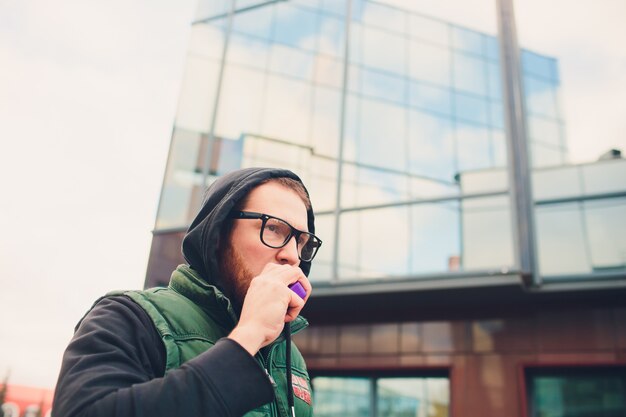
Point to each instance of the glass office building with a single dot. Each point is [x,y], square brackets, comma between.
[405,128]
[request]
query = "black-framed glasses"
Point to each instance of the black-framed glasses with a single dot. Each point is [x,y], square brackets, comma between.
[276,232]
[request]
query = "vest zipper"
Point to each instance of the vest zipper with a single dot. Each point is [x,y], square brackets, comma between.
[265,362]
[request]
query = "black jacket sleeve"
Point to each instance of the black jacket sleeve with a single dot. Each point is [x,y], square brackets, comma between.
[114,366]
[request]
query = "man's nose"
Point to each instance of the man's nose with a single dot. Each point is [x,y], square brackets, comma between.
[288,254]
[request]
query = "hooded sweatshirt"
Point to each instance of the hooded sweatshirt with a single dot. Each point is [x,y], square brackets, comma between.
[115,364]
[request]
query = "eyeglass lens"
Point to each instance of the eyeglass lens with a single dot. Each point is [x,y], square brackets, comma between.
[276,233]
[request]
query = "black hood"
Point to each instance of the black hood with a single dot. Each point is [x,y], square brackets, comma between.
[200,244]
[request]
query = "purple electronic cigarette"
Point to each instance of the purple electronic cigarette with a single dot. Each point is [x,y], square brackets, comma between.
[298,289]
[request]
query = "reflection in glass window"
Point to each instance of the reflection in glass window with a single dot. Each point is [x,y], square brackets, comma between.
[391,57]
[381,397]
[471,108]
[577,392]
[606,222]
[539,65]
[295,26]
[413,397]
[561,241]
[540,97]
[486,234]
[429,63]
[430,98]
[346,397]
[470,74]
[468,41]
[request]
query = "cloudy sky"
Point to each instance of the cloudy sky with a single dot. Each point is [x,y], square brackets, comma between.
[88,94]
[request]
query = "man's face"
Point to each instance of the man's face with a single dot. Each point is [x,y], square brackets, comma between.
[246,256]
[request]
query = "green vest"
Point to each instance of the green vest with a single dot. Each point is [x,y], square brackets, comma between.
[191,316]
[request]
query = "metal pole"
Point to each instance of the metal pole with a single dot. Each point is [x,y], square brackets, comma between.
[518,155]
[342,128]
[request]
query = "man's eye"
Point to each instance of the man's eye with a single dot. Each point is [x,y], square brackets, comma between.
[303,240]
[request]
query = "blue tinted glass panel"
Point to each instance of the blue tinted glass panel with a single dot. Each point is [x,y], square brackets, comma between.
[257,22]
[540,97]
[497,114]
[498,141]
[538,65]
[473,147]
[430,30]
[468,41]
[578,392]
[248,51]
[331,35]
[495,81]
[430,98]
[349,397]
[381,85]
[429,63]
[293,62]
[471,109]
[382,139]
[380,15]
[231,153]
[470,74]
[295,26]
[606,224]
[487,237]
[391,57]
[492,48]
[546,156]
[561,242]
[435,230]
[321,268]
[387,237]
[545,131]
[431,146]
[413,397]
[337,7]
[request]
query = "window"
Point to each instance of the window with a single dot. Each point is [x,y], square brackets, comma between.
[378,396]
[577,392]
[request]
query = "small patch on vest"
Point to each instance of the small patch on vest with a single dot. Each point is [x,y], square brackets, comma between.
[301,389]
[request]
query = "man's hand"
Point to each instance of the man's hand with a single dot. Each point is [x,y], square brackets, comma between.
[268,305]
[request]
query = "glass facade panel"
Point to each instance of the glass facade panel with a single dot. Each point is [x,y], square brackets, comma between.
[473,147]
[471,109]
[562,240]
[286,110]
[391,396]
[557,183]
[604,177]
[391,58]
[430,98]
[295,26]
[423,106]
[470,74]
[322,266]
[468,41]
[335,396]
[413,397]
[606,224]
[182,178]
[545,131]
[430,63]
[238,115]
[486,233]
[577,393]
[375,243]
[435,244]
[546,156]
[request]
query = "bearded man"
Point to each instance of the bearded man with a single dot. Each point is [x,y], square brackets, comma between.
[210,343]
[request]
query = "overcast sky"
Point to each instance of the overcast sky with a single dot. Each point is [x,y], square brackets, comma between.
[88,93]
